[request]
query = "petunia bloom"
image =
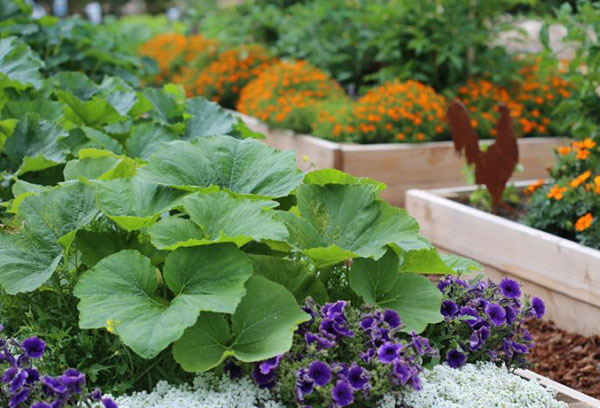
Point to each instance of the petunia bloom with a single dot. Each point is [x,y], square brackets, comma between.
[455,358]
[319,372]
[33,347]
[510,288]
[342,394]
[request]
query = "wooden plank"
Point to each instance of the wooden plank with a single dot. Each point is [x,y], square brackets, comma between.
[565,393]
[556,265]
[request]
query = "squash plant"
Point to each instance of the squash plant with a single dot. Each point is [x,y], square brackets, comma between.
[211,244]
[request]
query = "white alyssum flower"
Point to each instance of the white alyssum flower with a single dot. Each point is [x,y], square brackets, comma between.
[207,391]
[478,385]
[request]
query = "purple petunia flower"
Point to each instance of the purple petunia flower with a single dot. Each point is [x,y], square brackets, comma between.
[342,394]
[367,323]
[319,372]
[538,307]
[496,314]
[19,398]
[34,347]
[402,371]
[392,318]
[455,358]
[469,311]
[9,374]
[388,352]
[510,288]
[511,314]
[269,365]
[18,381]
[73,380]
[479,337]
[519,348]
[96,394]
[52,386]
[41,405]
[263,380]
[368,355]
[322,342]
[109,403]
[449,308]
[304,386]
[33,375]
[357,377]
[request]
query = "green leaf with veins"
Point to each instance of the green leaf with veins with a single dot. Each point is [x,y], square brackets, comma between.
[49,221]
[100,165]
[146,138]
[295,276]
[35,145]
[338,222]
[19,65]
[261,327]
[134,203]
[425,261]
[94,113]
[241,166]
[333,176]
[413,296]
[121,291]
[207,119]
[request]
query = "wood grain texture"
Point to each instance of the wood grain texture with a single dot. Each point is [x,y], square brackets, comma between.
[565,274]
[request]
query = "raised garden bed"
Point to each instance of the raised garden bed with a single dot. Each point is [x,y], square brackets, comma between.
[400,166]
[574,398]
[565,274]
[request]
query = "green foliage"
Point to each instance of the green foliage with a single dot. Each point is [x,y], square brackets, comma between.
[437,42]
[580,114]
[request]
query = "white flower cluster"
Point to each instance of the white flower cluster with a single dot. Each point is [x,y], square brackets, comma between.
[478,385]
[472,386]
[207,391]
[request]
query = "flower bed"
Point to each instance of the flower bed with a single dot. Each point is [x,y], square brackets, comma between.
[563,272]
[400,166]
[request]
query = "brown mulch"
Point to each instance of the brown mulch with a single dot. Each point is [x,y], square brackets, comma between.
[568,358]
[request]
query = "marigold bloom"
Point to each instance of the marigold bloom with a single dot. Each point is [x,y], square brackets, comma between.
[580,179]
[564,150]
[533,187]
[556,192]
[582,154]
[584,222]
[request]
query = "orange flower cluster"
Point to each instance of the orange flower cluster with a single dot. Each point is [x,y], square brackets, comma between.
[530,101]
[557,192]
[174,53]
[399,112]
[284,94]
[223,79]
[582,149]
[584,222]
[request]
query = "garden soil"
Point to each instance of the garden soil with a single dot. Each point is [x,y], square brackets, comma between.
[568,358]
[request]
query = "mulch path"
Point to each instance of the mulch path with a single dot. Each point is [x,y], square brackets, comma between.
[568,358]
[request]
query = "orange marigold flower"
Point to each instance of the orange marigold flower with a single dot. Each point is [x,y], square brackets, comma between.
[580,179]
[582,154]
[556,192]
[533,187]
[564,150]
[584,222]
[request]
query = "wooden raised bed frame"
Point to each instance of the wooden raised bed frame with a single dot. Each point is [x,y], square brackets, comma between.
[563,273]
[401,166]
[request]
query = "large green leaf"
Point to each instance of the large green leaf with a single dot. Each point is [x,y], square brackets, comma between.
[134,203]
[460,264]
[146,138]
[93,113]
[261,327]
[164,104]
[413,296]
[49,220]
[425,261]
[35,145]
[242,166]
[173,232]
[295,276]
[207,119]
[332,176]
[19,65]
[76,83]
[225,218]
[100,165]
[121,292]
[339,222]
[48,110]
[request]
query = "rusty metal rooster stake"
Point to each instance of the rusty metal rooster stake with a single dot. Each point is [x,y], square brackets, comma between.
[494,166]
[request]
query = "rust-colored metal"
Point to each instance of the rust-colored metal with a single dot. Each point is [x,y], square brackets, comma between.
[494,166]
